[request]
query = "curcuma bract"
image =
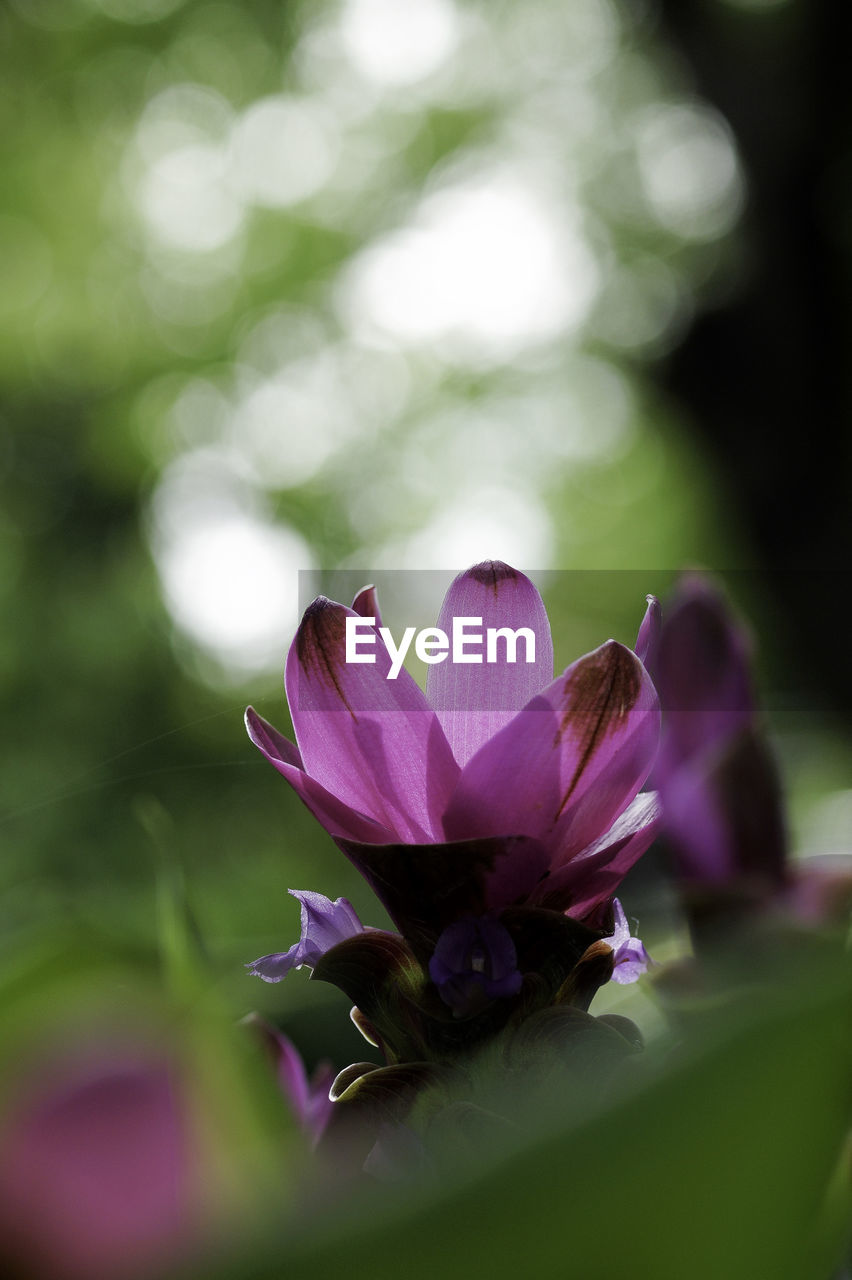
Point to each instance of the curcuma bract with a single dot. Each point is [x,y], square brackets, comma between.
[494,816]
[725,823]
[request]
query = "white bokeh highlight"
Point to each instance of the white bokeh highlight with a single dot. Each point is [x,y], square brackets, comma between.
[487,267]
[229,574]
[689,169]
[283,150]
[398,42]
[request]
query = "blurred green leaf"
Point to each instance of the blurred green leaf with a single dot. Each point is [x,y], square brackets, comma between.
[181,946]
[720,1166]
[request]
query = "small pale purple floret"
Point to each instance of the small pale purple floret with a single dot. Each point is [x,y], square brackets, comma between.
[631,958]
[324,924]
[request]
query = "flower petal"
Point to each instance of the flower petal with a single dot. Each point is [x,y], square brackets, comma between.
[366,603]
[99,1169]
[631,962]
[374,743]
[631,958]
[621,932]
[323,924]
[701,669]
[724,814]
[274,967]
[308,1099]
[338,818]
[593,875]
[476,699]
[649,633]
[567,765]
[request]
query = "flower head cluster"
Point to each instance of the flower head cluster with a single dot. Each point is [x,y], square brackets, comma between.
[494,816]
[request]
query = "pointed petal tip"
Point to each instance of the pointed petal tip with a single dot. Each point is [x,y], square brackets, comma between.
[366,603]
[322,617]
[317,605]
[608,682]
[270,743]
[648,636]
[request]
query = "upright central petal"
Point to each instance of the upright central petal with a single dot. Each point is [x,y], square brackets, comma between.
[475,699]
[374,743]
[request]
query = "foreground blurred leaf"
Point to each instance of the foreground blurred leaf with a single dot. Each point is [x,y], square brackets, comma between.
[71,999]
[719,1165]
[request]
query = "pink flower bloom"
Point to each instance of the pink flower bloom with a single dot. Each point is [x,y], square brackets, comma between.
[536,781]
[97,1171]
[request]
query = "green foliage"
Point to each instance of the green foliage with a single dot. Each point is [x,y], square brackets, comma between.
[716,1162]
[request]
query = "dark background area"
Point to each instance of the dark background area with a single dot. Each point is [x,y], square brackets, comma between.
[764,379]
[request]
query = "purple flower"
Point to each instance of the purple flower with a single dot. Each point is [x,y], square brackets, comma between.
[307,1097]
[721,799]
[324,924]
[631,958]
[98,1166]
[544,774]
[474,961]
[724,813]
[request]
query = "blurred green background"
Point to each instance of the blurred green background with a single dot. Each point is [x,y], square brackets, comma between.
[356,284]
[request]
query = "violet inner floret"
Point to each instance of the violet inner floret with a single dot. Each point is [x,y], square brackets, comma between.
[474,961]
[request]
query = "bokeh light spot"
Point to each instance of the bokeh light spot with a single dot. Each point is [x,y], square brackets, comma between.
[689,169]
[398,44]
[283,150]
[490,264]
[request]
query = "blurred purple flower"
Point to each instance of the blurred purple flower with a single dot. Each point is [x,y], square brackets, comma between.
[547,770]
[717,780]
[724,817]
[631,958]
[324,924]
[307,1097]
[97,1175]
